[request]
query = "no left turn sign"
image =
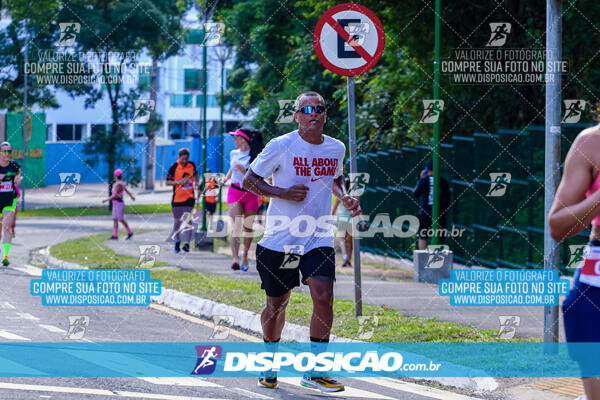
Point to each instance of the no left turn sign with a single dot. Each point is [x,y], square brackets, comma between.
[349,39]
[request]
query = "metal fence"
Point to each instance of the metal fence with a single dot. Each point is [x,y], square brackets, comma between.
[497,231]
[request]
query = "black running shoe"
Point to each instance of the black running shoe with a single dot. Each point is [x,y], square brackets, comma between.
[114,237]
[5,261]
[186,247]
[177,248]
[235,266]
[129,236]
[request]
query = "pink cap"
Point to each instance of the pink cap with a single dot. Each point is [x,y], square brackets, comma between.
[118,172]
[240,133]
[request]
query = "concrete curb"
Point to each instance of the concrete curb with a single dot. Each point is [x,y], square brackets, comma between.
[250,321]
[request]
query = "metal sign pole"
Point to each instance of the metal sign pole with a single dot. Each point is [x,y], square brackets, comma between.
[435,215]
[353,170]
[552,153]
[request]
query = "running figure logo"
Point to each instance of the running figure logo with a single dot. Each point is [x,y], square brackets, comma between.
[500,31]
[187,224]
[358,31]
[291,259]
[68,183]
[77,327]
[437,253]
[577,253]
[214,33]
[148,254]
[68,33]
[142,109]
[286,112]
[358,183]
[207,359]
[508,326]
[499,183]
[366,326]
[431,111]
[221,327]
[573,110]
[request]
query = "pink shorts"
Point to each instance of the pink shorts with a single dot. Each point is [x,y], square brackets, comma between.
[118,210]
[249,200]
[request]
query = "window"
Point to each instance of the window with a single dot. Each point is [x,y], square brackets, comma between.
[192,79]
[211,101]
[49,132]
[145,76]
[110,78]
[69,131]
[103,129]
[184,129]
[181,100]
[139,130]
[195,36]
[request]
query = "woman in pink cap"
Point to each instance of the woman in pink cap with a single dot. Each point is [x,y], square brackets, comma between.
[240,202]
[118,205]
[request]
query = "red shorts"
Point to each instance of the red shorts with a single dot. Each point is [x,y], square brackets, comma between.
[249,200]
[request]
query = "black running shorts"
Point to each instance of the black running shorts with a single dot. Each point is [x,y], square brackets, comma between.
[280,272]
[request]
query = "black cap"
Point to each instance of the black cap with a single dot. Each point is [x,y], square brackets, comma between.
[430,165]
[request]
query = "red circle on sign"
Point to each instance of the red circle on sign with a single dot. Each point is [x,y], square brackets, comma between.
[327,17]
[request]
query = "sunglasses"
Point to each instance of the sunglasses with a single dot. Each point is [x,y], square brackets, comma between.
[310,109]
[5,152]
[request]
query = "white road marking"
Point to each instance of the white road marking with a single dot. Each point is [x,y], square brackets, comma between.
[348,392]
[416,389]
[233,332]
[99,392]
[53,328]
[249,393]
[198,382]
[24,315]
[7,305]
[28,269]
[12,336]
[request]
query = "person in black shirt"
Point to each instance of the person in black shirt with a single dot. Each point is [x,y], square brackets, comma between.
[424,190]
[10,174]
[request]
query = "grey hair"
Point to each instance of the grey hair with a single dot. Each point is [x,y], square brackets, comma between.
[309,94]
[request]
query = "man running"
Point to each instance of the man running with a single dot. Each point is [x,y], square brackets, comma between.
[182,176]
[306,167]
[10,174]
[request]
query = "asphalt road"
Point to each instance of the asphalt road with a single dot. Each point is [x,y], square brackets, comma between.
[24,319]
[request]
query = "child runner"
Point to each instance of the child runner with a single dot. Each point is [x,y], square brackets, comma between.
[118,205]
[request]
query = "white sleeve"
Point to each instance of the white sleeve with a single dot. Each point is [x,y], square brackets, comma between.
[268,160]
[340,167]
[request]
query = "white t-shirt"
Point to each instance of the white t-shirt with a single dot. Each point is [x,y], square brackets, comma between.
[292,161]
[238,157]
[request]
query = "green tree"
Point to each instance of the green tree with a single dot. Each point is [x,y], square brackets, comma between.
[116,32]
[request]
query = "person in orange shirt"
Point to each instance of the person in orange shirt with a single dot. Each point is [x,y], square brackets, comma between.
[211,191]
[183,176]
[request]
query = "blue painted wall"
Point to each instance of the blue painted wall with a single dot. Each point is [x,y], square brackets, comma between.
[68,157]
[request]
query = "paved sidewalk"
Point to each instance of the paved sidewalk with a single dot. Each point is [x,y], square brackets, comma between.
[91,195]
[412,298]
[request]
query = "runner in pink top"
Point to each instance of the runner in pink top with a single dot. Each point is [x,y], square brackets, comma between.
[576,206]
[118,205]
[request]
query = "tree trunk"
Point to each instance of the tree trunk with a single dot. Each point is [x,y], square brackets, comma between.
[150,133]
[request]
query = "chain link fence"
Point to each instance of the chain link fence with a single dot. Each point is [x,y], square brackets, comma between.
[497,231]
